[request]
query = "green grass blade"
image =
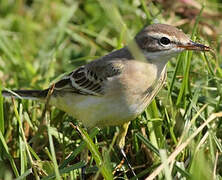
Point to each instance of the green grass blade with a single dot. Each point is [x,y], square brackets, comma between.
[79,149]
[25,174]
[106,172]
[12,162]
[52,149]
[156,151]
[179,60]
[65,170]
[19,118]
[163,156]
[148,143]
[2,124]
[184,90]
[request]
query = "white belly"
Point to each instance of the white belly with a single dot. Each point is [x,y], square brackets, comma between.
[95,111]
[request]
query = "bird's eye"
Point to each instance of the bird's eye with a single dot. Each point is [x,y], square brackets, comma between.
[164,41]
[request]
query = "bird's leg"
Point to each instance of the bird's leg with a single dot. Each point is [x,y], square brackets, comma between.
[122,134]
[121,144]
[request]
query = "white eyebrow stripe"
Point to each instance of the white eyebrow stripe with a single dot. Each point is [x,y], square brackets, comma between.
[159,35]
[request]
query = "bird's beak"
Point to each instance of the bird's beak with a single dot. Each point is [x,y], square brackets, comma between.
[194,46]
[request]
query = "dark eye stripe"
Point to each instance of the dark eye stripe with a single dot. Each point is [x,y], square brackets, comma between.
[158,49]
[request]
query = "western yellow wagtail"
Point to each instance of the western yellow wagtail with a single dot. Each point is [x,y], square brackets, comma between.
[116,88]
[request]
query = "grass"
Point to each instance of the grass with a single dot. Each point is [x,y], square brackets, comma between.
[178,135]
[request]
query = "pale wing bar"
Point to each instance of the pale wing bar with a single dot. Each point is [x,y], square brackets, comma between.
[80,81]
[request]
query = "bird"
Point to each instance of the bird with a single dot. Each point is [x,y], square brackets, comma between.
[116,88]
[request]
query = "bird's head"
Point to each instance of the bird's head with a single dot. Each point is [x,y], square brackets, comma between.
[161,42]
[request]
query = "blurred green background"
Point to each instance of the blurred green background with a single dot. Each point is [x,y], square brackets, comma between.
[40,40]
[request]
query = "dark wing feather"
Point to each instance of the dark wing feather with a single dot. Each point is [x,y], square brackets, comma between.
[89,79]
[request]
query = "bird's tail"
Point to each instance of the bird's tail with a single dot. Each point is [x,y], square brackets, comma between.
[26,94]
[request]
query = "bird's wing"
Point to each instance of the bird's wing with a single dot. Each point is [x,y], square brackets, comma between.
[89,79]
